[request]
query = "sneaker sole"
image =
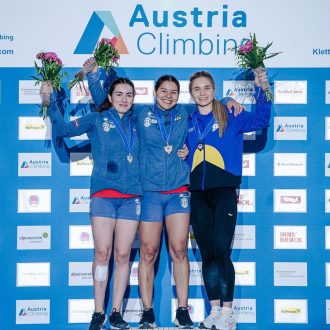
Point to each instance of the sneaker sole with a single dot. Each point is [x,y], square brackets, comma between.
[178,325]
[119,328]
[202,326]
[147,325]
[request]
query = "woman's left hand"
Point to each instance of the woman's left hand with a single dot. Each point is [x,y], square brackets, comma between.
[236,106]
[261,78]
[184,152]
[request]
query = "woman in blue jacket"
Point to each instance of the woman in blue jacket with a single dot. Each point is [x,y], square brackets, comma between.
[115,189]
[215,142]
[162,130]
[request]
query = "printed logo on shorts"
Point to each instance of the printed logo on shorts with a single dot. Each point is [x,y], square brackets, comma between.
[138,206]
[184,202]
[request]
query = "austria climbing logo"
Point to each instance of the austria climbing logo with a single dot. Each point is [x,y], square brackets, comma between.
[93,30]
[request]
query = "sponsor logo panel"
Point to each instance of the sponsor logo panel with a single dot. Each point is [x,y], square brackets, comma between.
[246,200]
[34,128]
[80,274]
[33,274]
[290,273]
[291,311]
[327,311]
[33,237]
[195,274]
[29,92]
[290,92]
[245,310]
[79,200]
[290,201]
[245,273]
[132,311]
[327,92]
[80,93]
[327,164]
[327,128]
[144,91]
[184,96]
[249,165]
[80,237]
[240,90]
[133,277]
[81,164]
[327,201]
[327,237]
[34,201]
[32,311]
[34,164]
[327,274]
[290,237]
[195,307]
[244,237]
[80,310]
[290,164]
[290,128]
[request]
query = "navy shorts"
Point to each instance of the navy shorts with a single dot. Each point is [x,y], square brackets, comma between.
[116,208]
[156,206]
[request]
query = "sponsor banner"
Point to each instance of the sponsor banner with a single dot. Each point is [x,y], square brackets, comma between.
[33,274]
[246,200]
[327,274]
[250,136]
[33,237]
[245,310]
[196,309]
[81,164]
[34,164]
[34,128]
[133,277]
[244,237]
[195,274]
[327,237]
[192,244]
[328,311]
[290,237]
[80,310]
[80,237]
[32,311]
[132,310]
[29,92]
[290,128]
[34,201]
[82,137]
[327,201]
[170,34]
[240,90]
[80,93]
[290,311]
[327,92]
[184,96]
[290,164]
[245,273]
[290,201]
[144,91]
[327,128]
[80,274]
[79,200]
[290,92]
[249,165]
[290,273]
[327,164]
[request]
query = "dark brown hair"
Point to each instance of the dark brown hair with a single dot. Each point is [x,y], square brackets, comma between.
[219,111]
[164,78]
[120,80]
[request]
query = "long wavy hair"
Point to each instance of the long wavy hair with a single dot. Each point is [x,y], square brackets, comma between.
[219,111]
[120,80]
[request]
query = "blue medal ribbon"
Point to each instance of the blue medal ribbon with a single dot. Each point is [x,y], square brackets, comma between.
[201,136]
[166,137]
[128,144]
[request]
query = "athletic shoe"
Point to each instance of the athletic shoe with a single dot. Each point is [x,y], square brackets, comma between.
[147,319]
[98,321]
[183,320]
[116,320]
[209,322]
[225,321]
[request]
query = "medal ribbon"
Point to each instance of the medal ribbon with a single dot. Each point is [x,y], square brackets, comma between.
[127,144]
[166,137]
[206,131]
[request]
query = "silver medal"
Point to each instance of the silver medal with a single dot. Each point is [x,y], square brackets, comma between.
[129,158]
[168,149]
[200,146]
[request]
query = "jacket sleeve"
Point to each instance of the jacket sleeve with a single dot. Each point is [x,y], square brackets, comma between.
[73,128]
[258,118]
[94,85]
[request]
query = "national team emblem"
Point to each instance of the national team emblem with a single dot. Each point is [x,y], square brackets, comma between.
[106,125]
[147,122]
[215,127]
[184,202]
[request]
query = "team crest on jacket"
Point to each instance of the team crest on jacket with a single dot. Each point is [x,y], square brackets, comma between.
[106,125]
[150,119]
[215,127]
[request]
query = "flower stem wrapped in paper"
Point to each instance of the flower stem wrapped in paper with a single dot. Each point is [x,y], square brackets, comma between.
[251,56]
[49,70]
[106,56]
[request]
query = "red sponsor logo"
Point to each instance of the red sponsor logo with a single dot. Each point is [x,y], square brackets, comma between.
[84,237]
[241,200]
[290,199]
[141,90]
[246,163]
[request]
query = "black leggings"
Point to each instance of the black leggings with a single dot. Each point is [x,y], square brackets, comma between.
[213,218]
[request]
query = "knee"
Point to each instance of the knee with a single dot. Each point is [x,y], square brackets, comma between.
[102,255]
[148,254]
[179,252]
[121,258]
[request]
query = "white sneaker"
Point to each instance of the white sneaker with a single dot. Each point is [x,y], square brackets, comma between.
[225,321]
[209,322]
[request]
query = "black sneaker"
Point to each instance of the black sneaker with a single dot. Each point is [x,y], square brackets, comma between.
[98,321]
[147,319]
[183,320]
[116,320]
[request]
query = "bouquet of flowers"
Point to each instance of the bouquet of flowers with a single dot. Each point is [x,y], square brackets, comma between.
[49,70]
[106,56]
[251,56]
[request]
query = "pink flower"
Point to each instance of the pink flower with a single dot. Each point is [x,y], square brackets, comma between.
[113,41]
[247,47]
[59,62]
[114,59]
[39,56]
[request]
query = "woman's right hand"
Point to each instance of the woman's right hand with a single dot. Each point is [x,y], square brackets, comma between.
[45,90]
[261,79]
[90,65]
